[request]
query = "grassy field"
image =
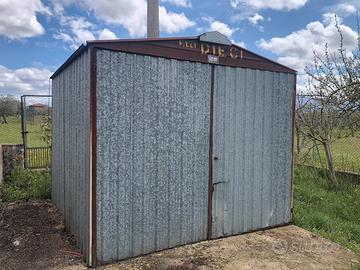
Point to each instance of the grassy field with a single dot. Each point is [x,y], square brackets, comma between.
[333,214]
[346,154]
[11,133]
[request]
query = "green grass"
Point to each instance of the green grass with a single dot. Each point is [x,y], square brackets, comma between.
[346,154]
[24,185]
[11,133]
[333,214]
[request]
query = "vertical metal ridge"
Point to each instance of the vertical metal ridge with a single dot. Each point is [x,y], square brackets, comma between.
[131,124]
[272,143]
[276,149]
[249,138]
[93,149]
[258,152]
[234,146]
[263,168]
[267,143]
[210,187]
[245,192]
[64,148]
[293,111]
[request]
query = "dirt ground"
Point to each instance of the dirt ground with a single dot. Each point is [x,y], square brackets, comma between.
[32,236]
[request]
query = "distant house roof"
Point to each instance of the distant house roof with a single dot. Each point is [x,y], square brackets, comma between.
[39,105]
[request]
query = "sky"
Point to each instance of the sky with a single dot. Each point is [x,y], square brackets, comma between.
[36,36]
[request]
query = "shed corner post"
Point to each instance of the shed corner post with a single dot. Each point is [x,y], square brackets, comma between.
[92,251]
[293,111]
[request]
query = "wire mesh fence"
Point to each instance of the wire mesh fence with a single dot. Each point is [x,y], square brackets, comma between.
[26,121]
[324,121]
[346,154]
[10,122]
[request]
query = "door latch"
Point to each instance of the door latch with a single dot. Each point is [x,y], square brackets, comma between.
[220,182]
[216,183]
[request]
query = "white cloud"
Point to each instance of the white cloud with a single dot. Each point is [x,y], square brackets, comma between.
[347,8]
[131,14]
[75,30]
[80,34]
[223,28]
[80,28]
[255,19]
[107,34]
[171,22]
[18,18]
[179,3]
[343,9]
[28,80]
[241,43]
[64,37]
[266,4]
[296,49]
[215,25]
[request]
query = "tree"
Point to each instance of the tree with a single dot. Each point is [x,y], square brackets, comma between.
[9,106]
[331,109]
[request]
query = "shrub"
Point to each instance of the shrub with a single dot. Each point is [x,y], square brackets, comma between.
[24,185]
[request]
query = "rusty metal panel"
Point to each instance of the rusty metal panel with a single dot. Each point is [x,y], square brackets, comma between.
[196,49]
[70,153]
[252,144]
[152,153]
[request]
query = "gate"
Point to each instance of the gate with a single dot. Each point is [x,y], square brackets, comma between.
[38,157]
[36,126]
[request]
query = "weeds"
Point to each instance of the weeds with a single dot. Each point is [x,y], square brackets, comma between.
[24,185]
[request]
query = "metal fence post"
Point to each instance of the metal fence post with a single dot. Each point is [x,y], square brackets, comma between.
[1,165]
[23,129]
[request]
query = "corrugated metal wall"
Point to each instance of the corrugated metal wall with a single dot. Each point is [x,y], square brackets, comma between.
[152,153]
[70,147]
[252,140]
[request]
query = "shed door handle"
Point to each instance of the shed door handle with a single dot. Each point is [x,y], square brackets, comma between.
[220,182]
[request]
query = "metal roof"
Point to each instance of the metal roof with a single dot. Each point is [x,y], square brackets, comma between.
[211,47]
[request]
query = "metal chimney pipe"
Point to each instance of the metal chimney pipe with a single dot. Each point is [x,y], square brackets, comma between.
[153,18]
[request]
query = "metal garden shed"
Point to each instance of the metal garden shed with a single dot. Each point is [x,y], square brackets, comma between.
[162,142]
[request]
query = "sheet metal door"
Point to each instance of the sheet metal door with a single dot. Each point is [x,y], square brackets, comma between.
[152,153]
[251,150]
